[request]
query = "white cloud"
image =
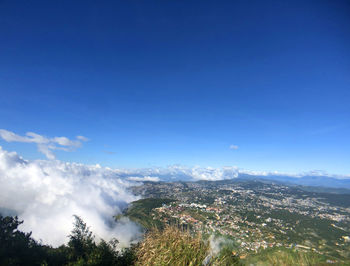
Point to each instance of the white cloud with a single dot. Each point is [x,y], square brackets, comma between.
[144,178]
[179,172]
[45,194]
[63,141]
[45,145]
[82,138]
[234,147]
[213,174]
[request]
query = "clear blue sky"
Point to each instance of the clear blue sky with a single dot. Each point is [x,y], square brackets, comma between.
[178,82]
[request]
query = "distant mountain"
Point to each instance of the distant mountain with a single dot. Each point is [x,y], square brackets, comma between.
[176,174]
[315,181]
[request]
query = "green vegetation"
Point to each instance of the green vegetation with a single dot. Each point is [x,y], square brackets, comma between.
[168,246]
[18,248]
[246,223]
[140,210]
[258,215]
[284,256]
[173,246]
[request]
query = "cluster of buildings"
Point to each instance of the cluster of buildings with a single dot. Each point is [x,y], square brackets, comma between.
[256,215]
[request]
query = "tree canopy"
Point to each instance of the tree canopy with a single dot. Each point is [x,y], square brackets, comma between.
[19,248]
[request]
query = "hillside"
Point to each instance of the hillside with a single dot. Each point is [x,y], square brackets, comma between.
[257,216]
[140,211]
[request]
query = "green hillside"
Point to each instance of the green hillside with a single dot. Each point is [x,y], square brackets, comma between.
[140,211]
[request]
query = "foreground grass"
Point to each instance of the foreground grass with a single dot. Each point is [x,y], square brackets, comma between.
[173,246]
[287,257]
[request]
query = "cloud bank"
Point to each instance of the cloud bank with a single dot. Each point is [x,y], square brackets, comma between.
[45,145]
[144,178]
[196,173]
[47,193]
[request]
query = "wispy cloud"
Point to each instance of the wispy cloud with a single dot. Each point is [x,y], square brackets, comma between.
[233,147]
[82,138]
[45,145]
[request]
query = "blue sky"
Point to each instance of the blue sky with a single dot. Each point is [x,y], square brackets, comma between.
[156,83]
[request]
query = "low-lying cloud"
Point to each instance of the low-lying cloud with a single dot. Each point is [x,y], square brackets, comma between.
[45,145]
[46,194]
[144,178]
[196,173]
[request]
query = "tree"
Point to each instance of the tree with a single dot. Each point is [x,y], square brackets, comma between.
[84,250]
[81,241]
[16,247]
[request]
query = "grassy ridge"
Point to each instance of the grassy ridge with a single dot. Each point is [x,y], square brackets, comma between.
[173,246]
